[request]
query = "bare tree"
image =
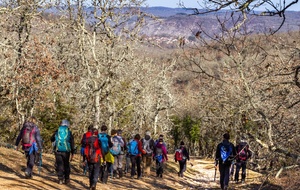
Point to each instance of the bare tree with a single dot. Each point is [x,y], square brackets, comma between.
[253,75]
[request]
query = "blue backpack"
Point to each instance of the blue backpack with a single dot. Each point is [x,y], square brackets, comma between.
[104,142]
[132,148]
[62,139]
[116,148]
[226,151]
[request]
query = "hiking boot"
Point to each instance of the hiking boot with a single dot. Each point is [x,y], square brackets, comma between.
[67,181]
[160,175]
[225,188]
[120,173]
[114,174]
[28,175]
[139,177]
[93,187]
[60,181]
[243,181]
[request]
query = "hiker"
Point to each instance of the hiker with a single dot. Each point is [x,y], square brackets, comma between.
[160,155]
[157,140]
[31,143]
[116,151]
[64,152]
[123,150]
[243,154]
[92,156]
[83,143]
[182,155]
[84,137]
[127,159]
[135,151]
[106,165]
[148,146]
[224,155]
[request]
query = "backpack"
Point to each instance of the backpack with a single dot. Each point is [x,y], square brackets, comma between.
[226,151]
[159,155]
[92,149]
[116,148]
[104,142]
[147,147]
[132,147]
[27,135]
[179,154]
[62,139]
[242,152]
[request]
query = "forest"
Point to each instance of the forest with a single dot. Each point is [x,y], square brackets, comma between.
[94,67]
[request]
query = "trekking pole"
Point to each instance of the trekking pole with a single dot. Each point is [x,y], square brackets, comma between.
[215,170]
[85,167]
[215,174]
[40,164]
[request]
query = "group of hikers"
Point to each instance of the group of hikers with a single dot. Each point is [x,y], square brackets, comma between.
[228,156]
[103,154]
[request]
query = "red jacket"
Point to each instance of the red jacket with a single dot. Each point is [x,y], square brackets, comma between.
[140,147]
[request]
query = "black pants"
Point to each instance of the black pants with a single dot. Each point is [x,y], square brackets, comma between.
[136,161]
[182,166]
[94,170]
[159,168]
[30,162]
[104,172]
[224,175]
[239,165]
[63,165]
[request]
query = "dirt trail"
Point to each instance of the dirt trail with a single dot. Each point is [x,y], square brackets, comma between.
[199,176]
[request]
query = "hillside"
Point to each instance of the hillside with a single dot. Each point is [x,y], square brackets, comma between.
[200,175]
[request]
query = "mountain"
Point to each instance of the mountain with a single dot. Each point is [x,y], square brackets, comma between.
[174,23]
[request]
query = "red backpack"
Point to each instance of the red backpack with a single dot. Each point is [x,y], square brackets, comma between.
[178,154]
[28,135]
[92,149]
[242,152]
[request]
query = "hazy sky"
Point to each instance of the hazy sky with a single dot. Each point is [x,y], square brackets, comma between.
[194,3]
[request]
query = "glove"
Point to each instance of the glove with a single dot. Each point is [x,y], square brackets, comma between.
[40,151]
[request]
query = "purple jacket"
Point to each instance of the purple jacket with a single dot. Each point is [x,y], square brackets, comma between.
[164,151]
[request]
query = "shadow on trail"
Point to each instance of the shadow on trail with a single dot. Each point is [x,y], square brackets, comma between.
[28,183]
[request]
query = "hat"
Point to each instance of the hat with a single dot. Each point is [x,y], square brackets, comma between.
[148,133]
[226,136]
[65,122]
[181,143]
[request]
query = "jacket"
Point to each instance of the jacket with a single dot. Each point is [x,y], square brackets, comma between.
[71,141]
[36,135]
[218,153]
[164,151]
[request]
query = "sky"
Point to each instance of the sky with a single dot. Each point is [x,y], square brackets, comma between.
[194,3]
